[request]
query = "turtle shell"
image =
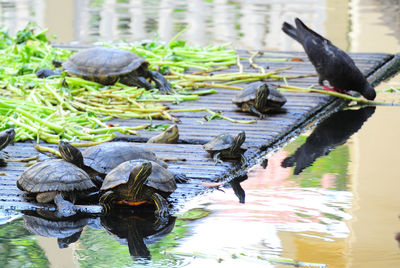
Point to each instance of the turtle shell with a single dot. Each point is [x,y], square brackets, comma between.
[248,94]
[221,142]
[54,175]
[103,64]
[106,156]
[160,178]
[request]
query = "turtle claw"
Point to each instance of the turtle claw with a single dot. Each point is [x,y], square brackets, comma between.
[162,84]
[161,205]
[161,213]
[181,178]
[107,201]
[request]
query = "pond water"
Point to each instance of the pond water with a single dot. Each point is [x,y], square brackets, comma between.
[329,197]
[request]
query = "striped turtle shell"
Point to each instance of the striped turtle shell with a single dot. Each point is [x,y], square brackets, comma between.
[106,156]
[160,178]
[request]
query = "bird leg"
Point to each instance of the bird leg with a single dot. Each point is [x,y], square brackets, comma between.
[329,89]
[335,89]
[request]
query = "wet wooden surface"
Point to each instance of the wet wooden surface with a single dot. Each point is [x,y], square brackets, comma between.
[192,160]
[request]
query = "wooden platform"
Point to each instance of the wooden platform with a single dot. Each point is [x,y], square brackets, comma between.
[301,108]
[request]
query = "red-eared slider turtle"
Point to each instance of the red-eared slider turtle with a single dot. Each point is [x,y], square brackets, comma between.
[259,98]
[6,137]
[100,159]
[136,182]
[46,179]
[226,146]
[170,135]
[107,65]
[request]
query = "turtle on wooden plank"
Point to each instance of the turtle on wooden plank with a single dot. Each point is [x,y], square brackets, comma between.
[226,146]
[106,65]
[259,98]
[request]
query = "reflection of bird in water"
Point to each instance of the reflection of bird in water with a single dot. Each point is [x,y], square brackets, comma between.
[332,132]
[137,231]
[66,230]
[332,64]
[237,188]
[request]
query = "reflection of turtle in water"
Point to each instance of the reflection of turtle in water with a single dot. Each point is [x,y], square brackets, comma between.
[66,231]
[259,98]
[99,160]
[47,179]
[6,137]
[107,65]
[137,182]
[137,232]
[226,146]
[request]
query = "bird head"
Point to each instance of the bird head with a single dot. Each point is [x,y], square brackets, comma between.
[368,92]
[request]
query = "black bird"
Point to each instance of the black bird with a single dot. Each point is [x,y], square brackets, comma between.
[332,63]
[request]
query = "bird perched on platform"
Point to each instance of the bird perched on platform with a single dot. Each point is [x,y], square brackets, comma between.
[332,64]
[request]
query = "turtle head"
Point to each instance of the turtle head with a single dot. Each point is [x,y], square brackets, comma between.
[238,141]
[137,178]
[261,95]
[6,137]
[170,135]
[70,153]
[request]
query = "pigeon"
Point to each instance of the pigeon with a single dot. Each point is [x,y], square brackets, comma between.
[332,63]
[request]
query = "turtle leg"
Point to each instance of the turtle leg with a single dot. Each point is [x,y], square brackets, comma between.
[242,159]
[107,201]
[64,207]
[161,205]
[217,158]
[162,84]
[255,111]
[135,81]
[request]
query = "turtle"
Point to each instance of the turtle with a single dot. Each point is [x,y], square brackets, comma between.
[137,182]
[100,159]
[226,146]
[106,65]
[259,98]
[55,176]
[170,135]
[6,137]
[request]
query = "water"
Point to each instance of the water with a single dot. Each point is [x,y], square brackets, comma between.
[341,211]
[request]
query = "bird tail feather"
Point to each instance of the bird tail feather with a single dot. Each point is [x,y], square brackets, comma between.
[290,30]
[303,29]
